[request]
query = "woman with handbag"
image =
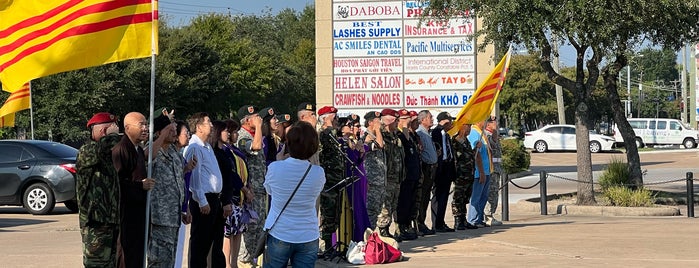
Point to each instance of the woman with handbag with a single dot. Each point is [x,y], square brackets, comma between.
[295,185]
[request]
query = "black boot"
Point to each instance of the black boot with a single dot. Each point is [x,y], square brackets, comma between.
[405,233]
[459,223]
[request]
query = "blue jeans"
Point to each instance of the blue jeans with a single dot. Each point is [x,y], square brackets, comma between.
[479,196]
[278,253]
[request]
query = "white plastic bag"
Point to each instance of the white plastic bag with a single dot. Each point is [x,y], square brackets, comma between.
[355,252]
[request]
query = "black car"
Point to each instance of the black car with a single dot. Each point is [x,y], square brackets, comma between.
[37,174]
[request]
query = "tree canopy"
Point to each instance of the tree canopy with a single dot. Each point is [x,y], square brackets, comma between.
[215,64]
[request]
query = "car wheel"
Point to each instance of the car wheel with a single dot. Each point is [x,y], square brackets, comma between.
[639,143]
[72,205]
[595,147]
[38,199]
[541,146]
[689,143]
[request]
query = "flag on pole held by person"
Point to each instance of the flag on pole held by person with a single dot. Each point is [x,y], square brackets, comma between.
[40,38]
[481,104]
[17,101]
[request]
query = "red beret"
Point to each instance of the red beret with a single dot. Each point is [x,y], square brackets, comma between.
[390,112]
[413,114]
[101,118]
[403,113]
[327,110]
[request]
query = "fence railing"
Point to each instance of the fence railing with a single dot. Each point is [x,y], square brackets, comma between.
[543,177]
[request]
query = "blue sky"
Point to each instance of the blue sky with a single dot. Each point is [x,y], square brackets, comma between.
[179,12]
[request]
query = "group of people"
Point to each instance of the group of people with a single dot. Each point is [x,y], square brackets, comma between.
[225,178]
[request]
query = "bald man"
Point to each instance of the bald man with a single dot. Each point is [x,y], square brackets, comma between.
[130,164]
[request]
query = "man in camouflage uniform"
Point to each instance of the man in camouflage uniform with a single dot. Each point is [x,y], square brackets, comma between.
[406,197]
[250,142]
[333,162]
[167,195]
[463,184]
[491,132]
[97,188]
[375,165]
[395,170]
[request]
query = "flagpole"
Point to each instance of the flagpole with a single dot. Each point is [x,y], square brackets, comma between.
[31,110]
[150,126]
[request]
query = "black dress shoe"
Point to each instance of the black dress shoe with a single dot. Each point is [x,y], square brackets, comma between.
[444,229]
[425,231]
[471,226]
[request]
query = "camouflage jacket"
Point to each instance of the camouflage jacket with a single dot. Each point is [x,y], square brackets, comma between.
[257,169]
[495,152]
[168,193]
[97,184]
[375,164]
[331,158]
[395,156]
[465,162]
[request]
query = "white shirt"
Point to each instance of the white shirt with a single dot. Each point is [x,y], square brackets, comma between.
[206,176]
[299,222]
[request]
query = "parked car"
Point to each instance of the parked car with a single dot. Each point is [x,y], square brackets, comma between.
[562,137]
[37,174]
[660,131]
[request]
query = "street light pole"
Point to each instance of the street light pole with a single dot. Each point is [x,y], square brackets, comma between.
[640,94]
[628,91]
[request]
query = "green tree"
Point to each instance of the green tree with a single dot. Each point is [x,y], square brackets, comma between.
[602,33]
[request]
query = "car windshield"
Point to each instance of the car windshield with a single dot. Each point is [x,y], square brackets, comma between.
[59,150]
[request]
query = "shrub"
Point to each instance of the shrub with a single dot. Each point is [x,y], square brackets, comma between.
[616,174]
[625,197]
[515,157]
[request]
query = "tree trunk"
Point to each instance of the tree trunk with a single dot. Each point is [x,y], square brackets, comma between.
[632,157]
[586,195]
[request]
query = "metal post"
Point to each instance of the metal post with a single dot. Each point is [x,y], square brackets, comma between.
[690,194]
[542,192]
[505,198]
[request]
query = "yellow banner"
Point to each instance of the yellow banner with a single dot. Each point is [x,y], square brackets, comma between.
[17,101]
[8,120]
[40,38]
[481,104]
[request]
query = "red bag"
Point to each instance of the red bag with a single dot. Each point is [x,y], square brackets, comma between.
[378,252]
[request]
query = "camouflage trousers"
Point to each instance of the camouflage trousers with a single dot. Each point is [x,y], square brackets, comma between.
[162,246]
[462,194]
[329,216]
[493,194]
[259,204]
[374,197]
[389,204]
[100,244]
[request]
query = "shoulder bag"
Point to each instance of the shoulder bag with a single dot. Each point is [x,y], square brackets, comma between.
[262,240]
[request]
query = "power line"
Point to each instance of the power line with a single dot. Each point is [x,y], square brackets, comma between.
[204,6]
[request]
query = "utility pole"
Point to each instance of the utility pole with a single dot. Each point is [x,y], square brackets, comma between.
[559,89]
[640,94]
[684,105]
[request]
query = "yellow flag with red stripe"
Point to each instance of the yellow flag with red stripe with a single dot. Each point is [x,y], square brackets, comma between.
[17,101]
[481,104]
[40,38]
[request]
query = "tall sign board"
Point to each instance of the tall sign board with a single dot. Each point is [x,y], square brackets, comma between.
[384,56]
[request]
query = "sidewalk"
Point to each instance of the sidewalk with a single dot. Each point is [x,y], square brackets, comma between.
[559,241]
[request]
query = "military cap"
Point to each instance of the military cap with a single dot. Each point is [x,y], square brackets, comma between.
[390,112]
[371,115]
[283,118]
[245,111]
[444,116]
[160,122]
[266,113]
[306,106]
[101,118]
[327,110]
[403,113]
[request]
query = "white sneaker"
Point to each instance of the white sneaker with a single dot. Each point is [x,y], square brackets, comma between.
[494,222]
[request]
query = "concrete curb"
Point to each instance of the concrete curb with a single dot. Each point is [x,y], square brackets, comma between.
[572,209]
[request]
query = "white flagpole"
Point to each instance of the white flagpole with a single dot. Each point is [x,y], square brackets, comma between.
[154,26]
[31,110]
